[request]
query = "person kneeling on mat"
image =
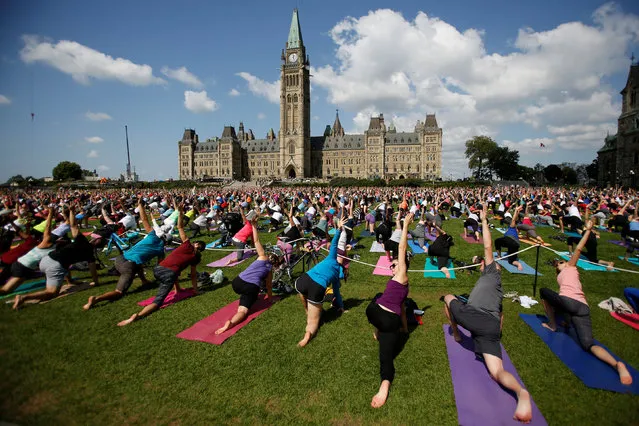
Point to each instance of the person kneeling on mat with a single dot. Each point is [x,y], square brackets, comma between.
[572,302]
[387,313]
[312,285]
[440,249]
[483,317]
[510,241]
[248,284]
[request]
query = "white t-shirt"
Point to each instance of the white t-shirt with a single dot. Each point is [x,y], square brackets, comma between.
[128,221]
[473,216]
[277,216]
[574,211]
[311,211]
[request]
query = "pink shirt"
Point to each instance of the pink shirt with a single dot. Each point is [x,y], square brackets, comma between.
[569,284]
[245,233]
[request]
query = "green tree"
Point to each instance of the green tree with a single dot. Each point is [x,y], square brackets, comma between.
[553,173]
[17,179]
[67,170]
[570,175]
[478,152]
[592,170]
[504,163]
[526,173]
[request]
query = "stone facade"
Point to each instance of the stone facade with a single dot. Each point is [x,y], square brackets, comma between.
[619,157]
[378,152]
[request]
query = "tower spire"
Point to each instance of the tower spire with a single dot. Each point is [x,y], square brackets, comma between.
[338,130]
[295,33]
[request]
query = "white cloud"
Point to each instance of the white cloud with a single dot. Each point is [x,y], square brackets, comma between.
[234,92]
[92,154]
[94,139]
[97,116]
[199,102]
[550,81]
[84,63]
[261,116]
[259,87]
[103,168]
[4,100]
[183,75]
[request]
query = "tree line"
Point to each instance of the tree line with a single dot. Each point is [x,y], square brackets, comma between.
[488,161]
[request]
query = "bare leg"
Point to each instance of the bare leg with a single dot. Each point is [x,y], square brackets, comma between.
[550,313]
[148,310]
[47,294]
[314,313]
[304,302]
[605,356]
[11,284]
[446,272]
[518,265]
[237,318]
[608,265]
[111,295]
[523,412]
[453,325]
[382,395]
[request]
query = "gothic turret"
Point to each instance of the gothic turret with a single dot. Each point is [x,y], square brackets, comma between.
[337,130]
[295,33]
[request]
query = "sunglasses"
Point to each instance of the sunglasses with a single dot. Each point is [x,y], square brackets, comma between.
[392,265]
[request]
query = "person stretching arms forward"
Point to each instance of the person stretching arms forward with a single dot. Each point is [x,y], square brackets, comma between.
[483,317]
[168,271]
[572,301]
[387,313]
[311,287]
[259,274]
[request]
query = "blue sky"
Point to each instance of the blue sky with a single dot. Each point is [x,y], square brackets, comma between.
[520,72]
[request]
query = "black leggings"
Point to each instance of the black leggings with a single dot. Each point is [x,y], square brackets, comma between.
[578,313]
[389,338]
[511,245]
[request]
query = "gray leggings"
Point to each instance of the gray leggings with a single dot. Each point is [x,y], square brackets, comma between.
[544,219]
[530,230]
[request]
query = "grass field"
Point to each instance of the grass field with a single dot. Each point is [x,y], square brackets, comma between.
[61,365]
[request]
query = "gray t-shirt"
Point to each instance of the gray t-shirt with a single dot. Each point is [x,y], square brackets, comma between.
[487,293]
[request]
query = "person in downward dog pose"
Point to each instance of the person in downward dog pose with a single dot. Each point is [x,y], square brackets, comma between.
[572,302]
[510,241]
[387,313]
[248,284]
[312,285]
[483,317]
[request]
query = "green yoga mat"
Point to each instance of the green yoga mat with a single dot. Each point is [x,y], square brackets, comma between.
[26,288]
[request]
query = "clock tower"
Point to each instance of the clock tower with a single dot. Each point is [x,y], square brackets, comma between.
[295,106]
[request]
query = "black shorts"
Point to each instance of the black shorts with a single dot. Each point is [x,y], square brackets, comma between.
[484,327]
[248,292]
[392,246]
[18,270]
[313,292]
[319,233]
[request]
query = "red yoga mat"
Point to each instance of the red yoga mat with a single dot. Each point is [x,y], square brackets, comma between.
[629,319]
[204,330]
[171,298]
[471,240]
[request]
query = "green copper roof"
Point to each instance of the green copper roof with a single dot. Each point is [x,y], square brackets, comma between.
[295,33]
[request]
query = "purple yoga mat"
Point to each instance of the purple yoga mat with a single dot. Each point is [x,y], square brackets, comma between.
[480,400]
[618,243]
[221,263]
[470,239]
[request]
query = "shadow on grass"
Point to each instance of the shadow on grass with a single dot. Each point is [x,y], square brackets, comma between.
[333,313]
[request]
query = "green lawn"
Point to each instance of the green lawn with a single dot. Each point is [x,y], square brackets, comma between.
[61,365]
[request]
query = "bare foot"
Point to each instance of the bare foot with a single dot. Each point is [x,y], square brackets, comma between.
[381,396]
[546,325]
[17,302]
[305,340]
[624,375]
[89,303]
[519,266]
[446,273]
[224,328]
[523,413]
[610,266]
[128,321]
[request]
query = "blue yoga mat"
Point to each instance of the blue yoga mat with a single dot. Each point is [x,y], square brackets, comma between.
[633,260]
[213,244]
[415,247]
[528,270]
[573,234]
[26,288]
[436,273]
[593,372]
[585,265]
[366,234]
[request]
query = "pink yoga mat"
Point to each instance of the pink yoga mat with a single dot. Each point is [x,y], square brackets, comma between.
[204,330]
[383,267]
[171,298]
[471,239]
[629,319]
[221,263]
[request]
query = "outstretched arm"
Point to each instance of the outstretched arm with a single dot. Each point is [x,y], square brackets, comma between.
[72,223]
[180,223]
[513,222]
[143,217]
[402,267]
[261,253]
[577,253]
[488,239]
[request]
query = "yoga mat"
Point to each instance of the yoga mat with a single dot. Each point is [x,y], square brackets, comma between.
[331,232]
[431,270]
[528,270]
[502,230]
[415,247]
[629,319]
[366,233]
[633,260]
[222,263]
[431,237]
[585,265]
[377,248]
[480,400]
[204,330]
[593,372]
[618,243]
[65,290]
[26,288]
[532,243]
[573,234]
[213,244]
[171,298]
[383,267]
[470,239]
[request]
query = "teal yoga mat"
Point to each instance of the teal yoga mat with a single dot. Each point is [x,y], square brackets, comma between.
[585,265]
[431,270]
[26,288]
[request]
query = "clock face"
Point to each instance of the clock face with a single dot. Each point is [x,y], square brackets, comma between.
[292,57]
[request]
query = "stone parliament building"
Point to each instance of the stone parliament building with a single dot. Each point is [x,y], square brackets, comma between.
[380,151]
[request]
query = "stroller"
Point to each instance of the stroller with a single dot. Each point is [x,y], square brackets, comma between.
[231,224]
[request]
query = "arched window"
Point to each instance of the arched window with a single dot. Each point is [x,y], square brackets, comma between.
[291,148]
[288,98]
[295,98]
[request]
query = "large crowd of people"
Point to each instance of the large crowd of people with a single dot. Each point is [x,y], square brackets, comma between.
[47,227]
